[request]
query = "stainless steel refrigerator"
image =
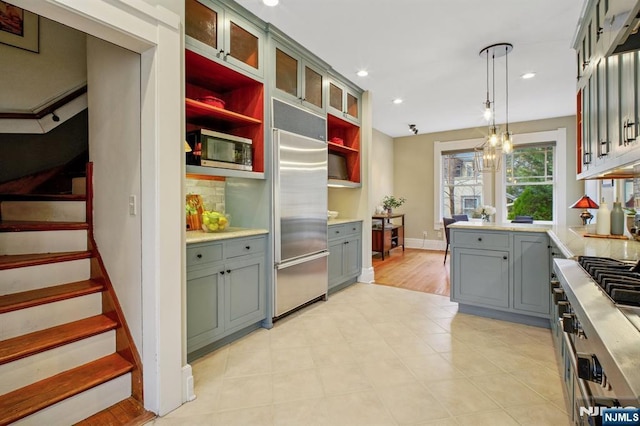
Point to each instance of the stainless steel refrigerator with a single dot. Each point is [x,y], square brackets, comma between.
[300,224]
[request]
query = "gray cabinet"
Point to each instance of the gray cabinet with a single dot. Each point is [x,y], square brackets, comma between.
[344,102]
[297,78]
[216,32]
[345,254]
[226,289]
[505,271]
[480,277]
[531,272]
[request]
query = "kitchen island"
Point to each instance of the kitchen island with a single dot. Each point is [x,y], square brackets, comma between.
[503,270]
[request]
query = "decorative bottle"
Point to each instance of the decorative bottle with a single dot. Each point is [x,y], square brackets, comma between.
[617,219]
[603,219]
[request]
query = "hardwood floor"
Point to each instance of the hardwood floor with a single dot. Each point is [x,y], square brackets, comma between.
[413,269]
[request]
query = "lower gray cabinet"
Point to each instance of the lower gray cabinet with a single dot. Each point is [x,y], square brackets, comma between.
[481,277]
[500,270]
[227,293]
[531,272]
[345,253]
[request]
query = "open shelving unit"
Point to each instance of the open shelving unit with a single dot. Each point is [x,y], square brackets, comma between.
[350,149]
[243,111]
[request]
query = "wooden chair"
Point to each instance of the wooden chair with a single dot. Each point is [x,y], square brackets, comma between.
[447,221]
[460,217]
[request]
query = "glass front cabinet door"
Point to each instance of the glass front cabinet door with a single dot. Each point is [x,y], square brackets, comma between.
[299,80]
[222,35]
[343,103]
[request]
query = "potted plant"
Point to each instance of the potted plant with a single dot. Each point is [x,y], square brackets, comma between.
[390,202]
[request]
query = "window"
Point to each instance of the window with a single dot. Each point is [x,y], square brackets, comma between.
[457,188]
[529,181]
[461,183]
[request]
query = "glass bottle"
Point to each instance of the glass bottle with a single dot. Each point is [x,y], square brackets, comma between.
[617,219]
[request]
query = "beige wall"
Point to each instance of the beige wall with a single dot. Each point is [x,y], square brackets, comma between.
[413,171]
[382,168]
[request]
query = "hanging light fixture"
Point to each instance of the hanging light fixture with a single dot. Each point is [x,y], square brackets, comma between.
[488,155]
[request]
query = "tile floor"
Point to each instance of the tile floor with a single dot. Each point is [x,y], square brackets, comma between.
[377,355]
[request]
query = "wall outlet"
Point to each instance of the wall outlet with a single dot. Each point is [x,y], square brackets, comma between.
[425,234]
[439,234]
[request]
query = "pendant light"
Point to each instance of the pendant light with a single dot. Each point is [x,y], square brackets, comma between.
[488,155]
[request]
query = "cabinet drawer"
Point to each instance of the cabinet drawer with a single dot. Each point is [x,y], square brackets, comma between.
[337,231]
[480,239]
[201,255]
[353,228]
[245,247]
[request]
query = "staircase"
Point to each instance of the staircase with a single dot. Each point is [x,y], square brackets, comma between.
[66,354]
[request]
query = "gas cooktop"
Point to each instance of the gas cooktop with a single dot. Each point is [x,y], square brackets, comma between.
[620,280]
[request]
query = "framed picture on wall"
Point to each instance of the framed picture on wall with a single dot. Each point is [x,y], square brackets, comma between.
[19,28]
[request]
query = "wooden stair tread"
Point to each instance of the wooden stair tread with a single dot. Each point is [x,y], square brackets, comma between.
[10,261]
[43,197]
[40,296]
[22,402]
[43,340]
[33,225]
[128,412]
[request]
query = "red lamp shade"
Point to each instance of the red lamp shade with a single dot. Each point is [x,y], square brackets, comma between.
[585,203]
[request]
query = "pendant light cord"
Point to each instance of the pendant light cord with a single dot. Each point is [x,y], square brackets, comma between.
[506,78]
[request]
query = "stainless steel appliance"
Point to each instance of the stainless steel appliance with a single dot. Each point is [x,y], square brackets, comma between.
[300,220]
[215,149]
[596,325]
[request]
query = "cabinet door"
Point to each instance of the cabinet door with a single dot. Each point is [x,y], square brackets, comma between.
[586,130]
[613,101]
[335,262]
[202,24]
[480,277]
[352,250]
[602,141]
[627,94]
[313,87]
[531,273]
[244,293]
[343,102]
[243,44]
[204,318]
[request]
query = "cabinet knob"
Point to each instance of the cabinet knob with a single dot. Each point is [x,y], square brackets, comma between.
[199,255]
[221,272]
[228,271]
[346,242]
[479,238]
[504,257]
[247,247]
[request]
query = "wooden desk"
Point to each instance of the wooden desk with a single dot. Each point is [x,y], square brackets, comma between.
[387,234]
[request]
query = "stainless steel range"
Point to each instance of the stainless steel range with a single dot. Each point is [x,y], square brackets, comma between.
[596,325]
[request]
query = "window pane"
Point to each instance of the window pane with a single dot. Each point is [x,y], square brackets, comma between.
[461,184]
[529,177]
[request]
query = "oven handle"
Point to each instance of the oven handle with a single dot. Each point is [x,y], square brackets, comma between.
[583,389]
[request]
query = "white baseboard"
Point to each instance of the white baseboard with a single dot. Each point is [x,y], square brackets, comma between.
[425,244]
[366,275]
[188,393]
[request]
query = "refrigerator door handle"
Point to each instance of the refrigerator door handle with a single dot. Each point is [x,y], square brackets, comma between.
[302,260]
[276,198]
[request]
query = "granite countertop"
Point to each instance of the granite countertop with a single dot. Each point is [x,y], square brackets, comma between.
[572,243]
[507,226]
[570,240]
[201,236]
[339,221]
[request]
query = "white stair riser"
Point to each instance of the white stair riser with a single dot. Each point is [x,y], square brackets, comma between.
[26,371]
[83,405]
[51,211]
[42,241]
[79,185]
[41,276]
[23,321]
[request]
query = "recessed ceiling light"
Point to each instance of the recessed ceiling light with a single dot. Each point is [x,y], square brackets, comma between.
[397,101]
[528,75]
[362,73]
[270,2]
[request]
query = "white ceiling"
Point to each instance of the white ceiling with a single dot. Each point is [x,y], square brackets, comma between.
[427,53]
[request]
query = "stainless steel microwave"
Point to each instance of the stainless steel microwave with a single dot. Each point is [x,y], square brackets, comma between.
[217,149]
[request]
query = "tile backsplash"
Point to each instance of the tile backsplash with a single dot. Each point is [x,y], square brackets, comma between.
[212,192]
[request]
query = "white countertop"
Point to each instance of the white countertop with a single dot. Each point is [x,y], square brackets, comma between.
[340,221]
[201,236]
[571,241]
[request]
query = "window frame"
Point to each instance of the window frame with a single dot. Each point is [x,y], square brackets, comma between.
[497,181]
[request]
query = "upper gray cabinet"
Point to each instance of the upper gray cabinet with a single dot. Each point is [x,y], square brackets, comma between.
[608,93]
[344,102]
[220,34]
[297,78]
